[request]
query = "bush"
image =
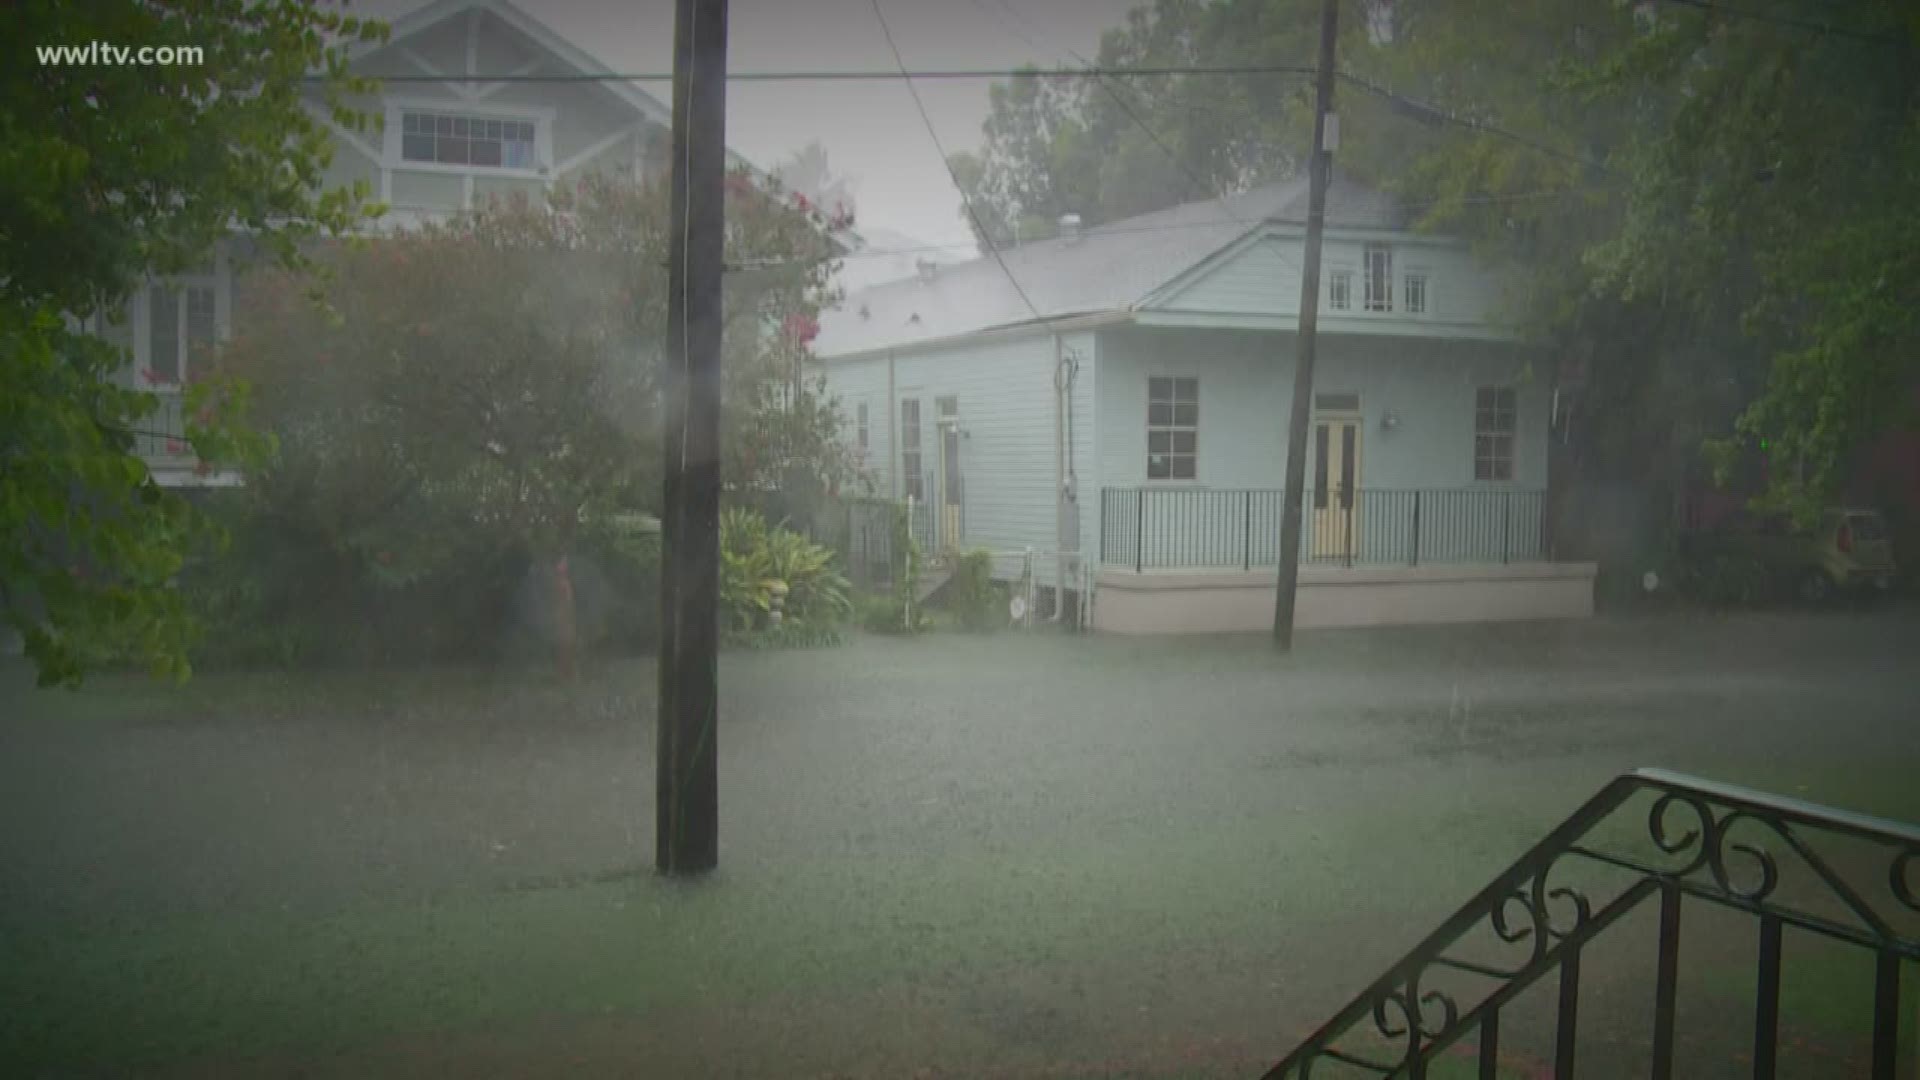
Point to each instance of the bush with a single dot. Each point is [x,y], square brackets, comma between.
[616,577]
[886,614]
[973,598]
[1725,580]
[756,561]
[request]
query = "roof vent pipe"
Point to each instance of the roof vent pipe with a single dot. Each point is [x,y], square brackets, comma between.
[1070,226]
[926,268]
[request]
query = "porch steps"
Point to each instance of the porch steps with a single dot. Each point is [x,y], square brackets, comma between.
[932,579]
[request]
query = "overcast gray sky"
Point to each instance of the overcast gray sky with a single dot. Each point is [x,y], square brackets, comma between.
[870,129]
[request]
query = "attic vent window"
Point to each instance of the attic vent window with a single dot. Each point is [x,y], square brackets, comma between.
[448,139]
[1416,294]
[1340,290]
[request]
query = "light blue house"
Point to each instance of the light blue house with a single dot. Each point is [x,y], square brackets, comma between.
[1117,400]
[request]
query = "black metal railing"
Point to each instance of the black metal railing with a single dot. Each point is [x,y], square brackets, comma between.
[1157,528]
[1783,863]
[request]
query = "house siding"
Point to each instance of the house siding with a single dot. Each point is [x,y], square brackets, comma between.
[1262,279]
[1006,405]
[864,382]
[1246,392]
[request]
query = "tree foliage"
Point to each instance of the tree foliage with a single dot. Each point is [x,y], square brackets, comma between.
[473,395]
[114,173]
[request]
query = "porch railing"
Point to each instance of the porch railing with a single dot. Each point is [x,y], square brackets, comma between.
[161,436]
[1760,863]
[1157,528]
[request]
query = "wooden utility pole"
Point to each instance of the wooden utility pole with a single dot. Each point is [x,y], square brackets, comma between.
[1319,173]
[687,783]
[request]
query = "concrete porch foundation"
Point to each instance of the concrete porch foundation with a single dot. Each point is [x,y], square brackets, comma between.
[1232,601]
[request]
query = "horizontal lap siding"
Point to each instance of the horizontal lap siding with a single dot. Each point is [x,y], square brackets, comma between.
[851,383]
[1005,392]
[1264,280]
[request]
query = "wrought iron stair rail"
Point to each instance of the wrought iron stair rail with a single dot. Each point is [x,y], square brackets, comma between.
[1690,830]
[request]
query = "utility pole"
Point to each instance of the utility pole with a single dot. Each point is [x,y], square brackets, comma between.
[1319,173]
[687,781]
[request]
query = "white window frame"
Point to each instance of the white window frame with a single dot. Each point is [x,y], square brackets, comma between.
[862,433]
[1377,288]
[1173,427]
[139,312]
[1503,445]
[1416,283]
[397,107]
[912,442]
[1340,289]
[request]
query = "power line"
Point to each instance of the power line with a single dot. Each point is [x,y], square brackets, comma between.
[859,76]
[1178,161]
[1185,226]
[1426,113]
[927,122]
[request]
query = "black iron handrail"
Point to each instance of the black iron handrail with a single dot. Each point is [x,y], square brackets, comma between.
[1551,923]
[1239,528]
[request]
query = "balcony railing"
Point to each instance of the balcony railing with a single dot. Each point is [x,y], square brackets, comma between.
[1161,528]
[161,436]
[1790,873]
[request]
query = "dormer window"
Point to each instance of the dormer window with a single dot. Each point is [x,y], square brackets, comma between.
[451,139]
[1378,276]
[1340,290]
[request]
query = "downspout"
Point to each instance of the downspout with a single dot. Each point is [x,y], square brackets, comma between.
[893,435]
[1059,480]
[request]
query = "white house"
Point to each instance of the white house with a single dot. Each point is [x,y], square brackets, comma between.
[1121,395]
[453,134]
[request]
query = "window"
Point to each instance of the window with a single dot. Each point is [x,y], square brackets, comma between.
[948,410]
[1379,277]
[180,327]
[1493,429]
[913,484]
[1416,298]
[1337,402]
[1340,290]
[1173,428]
[467,140]
[860,429]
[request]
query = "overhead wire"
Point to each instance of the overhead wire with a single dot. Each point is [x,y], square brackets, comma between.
[966,202]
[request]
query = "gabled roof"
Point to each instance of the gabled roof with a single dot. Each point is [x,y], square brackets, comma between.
[639,98]
[1108,268]
[432,14]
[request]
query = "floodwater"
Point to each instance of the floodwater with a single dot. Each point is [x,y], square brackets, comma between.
[1008,854]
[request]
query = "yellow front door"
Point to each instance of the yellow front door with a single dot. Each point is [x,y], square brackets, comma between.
[1335,490]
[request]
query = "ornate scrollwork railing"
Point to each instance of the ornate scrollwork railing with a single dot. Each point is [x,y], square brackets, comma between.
[1770,857]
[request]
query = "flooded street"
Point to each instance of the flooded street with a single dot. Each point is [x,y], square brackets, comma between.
[971,854]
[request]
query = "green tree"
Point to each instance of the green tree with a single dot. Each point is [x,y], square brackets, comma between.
[471,394]
[113,173]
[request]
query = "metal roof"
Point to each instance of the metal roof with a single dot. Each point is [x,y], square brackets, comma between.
[1107,267]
